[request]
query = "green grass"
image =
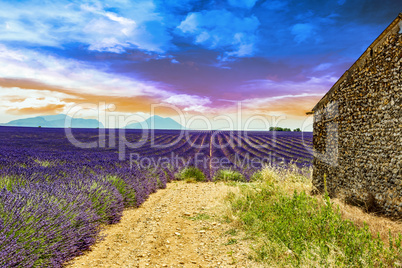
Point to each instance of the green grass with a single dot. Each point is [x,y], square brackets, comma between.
[191,174]
[296,229]
[229,175]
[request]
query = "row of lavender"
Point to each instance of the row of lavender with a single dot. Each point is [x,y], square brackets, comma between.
[56,191]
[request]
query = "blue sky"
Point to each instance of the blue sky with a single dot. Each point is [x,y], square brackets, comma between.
[276,57]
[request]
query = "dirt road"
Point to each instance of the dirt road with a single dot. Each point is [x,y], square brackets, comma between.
[175,227]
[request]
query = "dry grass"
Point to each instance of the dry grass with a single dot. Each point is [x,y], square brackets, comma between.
[377,224]
[290,179]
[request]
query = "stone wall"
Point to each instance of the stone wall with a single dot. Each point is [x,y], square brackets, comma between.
[357,129]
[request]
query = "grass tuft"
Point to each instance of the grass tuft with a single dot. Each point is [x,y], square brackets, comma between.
[191,174]
[229,175]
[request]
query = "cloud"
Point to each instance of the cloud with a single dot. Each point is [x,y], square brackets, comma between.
[281,97]
[47,109]
[184,99]
[275,5]
[190,24]
[22,94]
[288,97]
[248,4]
[289,105]
[20,101]
[323,67]
[114,33]
[311,27]
[75,75]
[272,88]
[110,32]
[222,30]
[42,80]
[189,102]
[137,25]
[109,45]
[303,31]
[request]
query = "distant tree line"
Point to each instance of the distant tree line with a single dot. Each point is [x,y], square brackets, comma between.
[283,129]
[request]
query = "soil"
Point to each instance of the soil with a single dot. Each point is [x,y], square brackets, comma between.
[180,226]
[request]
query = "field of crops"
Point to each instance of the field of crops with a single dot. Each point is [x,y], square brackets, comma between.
[59,186]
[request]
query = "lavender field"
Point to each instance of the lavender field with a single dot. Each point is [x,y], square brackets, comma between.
[59,187]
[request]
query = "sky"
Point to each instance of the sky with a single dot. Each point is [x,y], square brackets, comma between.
[258,62]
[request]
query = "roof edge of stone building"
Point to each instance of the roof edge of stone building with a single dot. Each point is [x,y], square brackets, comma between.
[395,26]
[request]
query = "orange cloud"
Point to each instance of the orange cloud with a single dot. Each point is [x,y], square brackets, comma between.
[48,109]
[15,98]
[123,104]
[29,84]
[297,106]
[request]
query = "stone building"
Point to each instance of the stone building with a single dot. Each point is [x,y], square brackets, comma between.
[357,128]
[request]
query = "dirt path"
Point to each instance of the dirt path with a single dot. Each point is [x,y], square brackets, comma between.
[175,227]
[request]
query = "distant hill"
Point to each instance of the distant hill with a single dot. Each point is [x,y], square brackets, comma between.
[55,121]
[159,123]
